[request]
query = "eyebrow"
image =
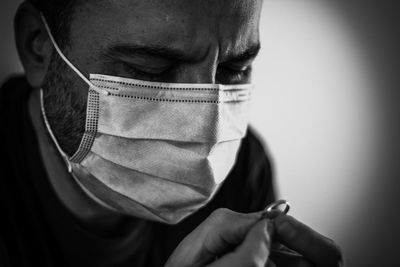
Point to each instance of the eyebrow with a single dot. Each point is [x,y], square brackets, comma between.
[157,51]
[173,54]
[248,54]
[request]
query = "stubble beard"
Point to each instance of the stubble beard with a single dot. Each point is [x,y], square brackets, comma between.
[65,108]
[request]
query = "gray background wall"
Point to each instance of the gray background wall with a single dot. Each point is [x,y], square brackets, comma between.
[326,107]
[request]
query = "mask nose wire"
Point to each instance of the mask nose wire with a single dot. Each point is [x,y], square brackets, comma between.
[69,63]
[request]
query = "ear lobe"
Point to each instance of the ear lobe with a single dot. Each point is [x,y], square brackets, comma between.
[33,44]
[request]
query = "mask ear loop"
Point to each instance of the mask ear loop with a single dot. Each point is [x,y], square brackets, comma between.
[69,63]
[65,157]
[46,122]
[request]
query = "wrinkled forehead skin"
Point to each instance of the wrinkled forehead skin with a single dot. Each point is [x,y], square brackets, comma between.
[198,27]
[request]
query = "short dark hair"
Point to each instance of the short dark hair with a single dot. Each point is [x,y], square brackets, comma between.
[58,14]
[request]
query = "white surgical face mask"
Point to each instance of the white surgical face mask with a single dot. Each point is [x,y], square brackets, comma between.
[157,151]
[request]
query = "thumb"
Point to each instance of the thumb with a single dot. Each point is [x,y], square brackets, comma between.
[221,231]
[253,251]
[227,229]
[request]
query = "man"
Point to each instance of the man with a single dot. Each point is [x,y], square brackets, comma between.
[137,166]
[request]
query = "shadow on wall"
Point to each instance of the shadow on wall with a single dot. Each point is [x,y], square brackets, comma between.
[375,232]
[326,104]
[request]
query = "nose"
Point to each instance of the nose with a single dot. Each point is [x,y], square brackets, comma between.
[203,71]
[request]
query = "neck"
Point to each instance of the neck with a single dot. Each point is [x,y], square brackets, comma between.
[89,212]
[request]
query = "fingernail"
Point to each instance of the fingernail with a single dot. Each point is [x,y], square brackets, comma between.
[271,214]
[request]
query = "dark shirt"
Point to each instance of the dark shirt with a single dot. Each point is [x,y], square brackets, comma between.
[36,229]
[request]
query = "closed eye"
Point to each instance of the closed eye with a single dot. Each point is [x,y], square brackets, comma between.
[234,74]
[147,72]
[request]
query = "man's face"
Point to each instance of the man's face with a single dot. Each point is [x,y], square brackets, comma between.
[177,41]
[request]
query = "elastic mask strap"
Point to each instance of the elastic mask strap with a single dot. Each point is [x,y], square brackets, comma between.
[69,63]
[46,122]
[65,157]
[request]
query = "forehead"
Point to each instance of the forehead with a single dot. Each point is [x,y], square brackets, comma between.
[191,25]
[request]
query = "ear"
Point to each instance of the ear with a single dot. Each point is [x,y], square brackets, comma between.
[33,44]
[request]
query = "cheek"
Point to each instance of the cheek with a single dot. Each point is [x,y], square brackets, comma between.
[66,89]
[87,44]
[85,58]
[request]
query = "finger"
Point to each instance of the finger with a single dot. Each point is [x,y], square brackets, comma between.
[254,251]
[271,214]
[289,259]
[301,238]
[221,231]
[226,229]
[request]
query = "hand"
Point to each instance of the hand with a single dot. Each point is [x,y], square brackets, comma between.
[225,238]
[313,249]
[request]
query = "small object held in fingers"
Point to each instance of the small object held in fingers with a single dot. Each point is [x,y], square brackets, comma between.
[274,209]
